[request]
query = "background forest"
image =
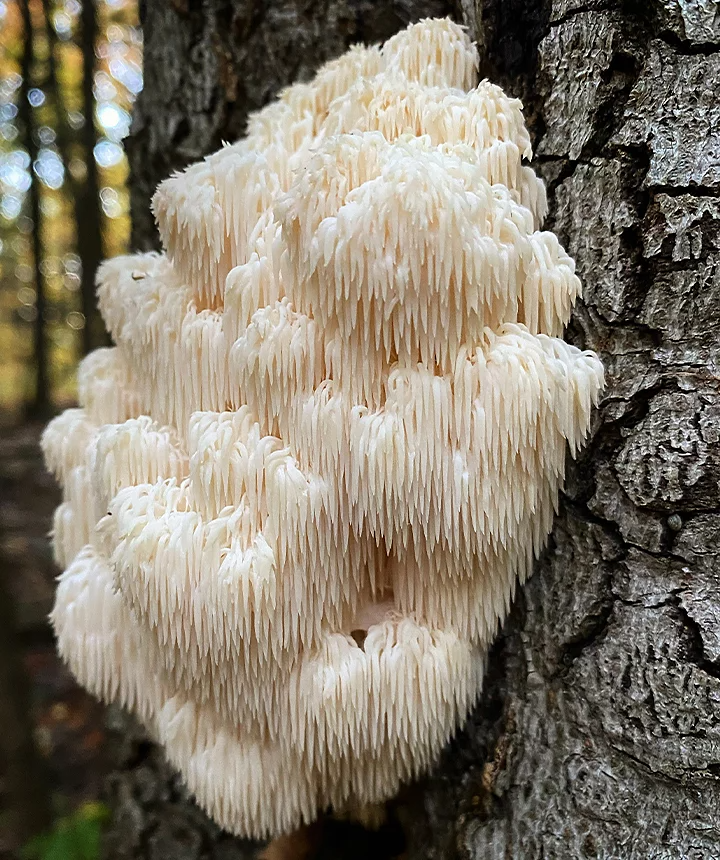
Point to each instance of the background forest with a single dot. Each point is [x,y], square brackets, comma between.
[63,203]
[69,74]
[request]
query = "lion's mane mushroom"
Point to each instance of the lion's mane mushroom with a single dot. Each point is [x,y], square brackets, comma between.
[302,487]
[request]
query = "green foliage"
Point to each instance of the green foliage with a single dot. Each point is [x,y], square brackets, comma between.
[74,837]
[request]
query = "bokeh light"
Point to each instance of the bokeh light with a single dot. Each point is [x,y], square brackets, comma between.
[59,168]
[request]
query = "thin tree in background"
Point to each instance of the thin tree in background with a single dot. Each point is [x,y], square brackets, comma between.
[87,199]
[83,193]
[40,402]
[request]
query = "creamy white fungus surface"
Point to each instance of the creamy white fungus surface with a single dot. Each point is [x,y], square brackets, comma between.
[302,487]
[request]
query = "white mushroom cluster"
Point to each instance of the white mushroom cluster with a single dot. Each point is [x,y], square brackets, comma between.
[302,487]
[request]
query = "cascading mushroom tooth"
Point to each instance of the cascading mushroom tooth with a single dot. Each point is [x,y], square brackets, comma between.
[329,442]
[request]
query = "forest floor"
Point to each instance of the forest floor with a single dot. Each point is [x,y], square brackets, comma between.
[53,734]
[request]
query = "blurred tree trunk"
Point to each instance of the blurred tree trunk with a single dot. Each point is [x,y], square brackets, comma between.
[88,213]
[25,791]
[598,734]
[83,192]
[40,404]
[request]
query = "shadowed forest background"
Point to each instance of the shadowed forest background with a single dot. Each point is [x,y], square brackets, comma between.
[69,74]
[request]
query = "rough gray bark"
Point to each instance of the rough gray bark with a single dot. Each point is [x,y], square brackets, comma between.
[208,64]
[599,731]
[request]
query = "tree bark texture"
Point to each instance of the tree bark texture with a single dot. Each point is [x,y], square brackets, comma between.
[598,734]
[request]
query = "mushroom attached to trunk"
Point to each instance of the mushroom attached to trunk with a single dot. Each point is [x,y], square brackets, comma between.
[328,443]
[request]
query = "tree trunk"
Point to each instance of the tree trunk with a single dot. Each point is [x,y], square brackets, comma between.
[25,790]
[598,734]
[39,405]
[88,214]
[84,193]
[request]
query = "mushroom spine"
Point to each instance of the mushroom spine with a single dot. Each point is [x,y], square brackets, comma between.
[302,487]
